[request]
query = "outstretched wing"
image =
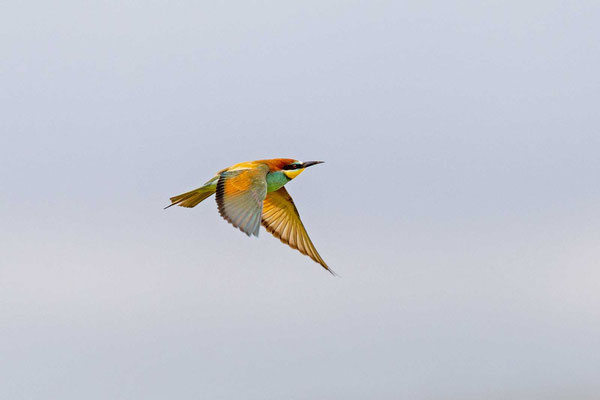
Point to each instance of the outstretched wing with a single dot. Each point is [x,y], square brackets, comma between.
[281,218]
[240,194]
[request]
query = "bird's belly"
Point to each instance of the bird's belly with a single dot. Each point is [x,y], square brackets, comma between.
[276,180]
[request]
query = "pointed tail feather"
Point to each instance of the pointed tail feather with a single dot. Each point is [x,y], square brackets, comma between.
[194,197]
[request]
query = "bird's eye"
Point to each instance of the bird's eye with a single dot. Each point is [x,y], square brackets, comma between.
[291,166]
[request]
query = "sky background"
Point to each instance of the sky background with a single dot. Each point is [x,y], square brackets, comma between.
[459,201]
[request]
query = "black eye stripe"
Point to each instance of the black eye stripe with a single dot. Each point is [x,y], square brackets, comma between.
[292,166]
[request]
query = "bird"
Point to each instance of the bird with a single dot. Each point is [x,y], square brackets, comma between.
[252,193]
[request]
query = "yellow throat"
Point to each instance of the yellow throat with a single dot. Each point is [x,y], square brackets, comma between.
[292,173]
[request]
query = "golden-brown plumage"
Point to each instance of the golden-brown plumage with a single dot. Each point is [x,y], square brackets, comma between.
[281,218]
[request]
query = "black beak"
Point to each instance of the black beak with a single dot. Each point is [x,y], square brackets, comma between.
[309,163]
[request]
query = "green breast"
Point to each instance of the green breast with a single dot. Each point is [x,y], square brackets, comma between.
[276,180]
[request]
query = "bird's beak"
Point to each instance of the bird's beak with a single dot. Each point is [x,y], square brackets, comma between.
[309,163]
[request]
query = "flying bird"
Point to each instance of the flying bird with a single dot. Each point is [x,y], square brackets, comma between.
[251,193]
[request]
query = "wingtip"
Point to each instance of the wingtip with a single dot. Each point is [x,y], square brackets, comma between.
[332,272]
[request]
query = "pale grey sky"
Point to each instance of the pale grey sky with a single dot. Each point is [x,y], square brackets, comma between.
[459,200]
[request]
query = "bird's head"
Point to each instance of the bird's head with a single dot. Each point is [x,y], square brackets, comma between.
[295,167]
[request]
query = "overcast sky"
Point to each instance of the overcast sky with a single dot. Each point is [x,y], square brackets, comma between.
[459,201]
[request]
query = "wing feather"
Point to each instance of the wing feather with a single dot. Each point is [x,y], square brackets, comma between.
[281,218]
[240,194]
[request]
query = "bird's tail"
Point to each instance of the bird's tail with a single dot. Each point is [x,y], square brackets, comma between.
[194,197]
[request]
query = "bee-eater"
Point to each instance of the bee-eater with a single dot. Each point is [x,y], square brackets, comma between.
[252,192]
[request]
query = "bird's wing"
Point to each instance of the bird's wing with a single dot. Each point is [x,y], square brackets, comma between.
[240,195]
[280,217]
